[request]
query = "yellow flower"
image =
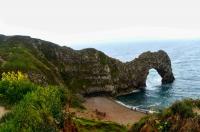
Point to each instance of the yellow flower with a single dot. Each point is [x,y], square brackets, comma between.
[12,76]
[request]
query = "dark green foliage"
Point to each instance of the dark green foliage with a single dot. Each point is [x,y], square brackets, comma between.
[12,92]
[35,108]
[182,108]
[40,110]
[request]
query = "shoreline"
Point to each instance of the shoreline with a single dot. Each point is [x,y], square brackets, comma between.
[145,111]
[107,109]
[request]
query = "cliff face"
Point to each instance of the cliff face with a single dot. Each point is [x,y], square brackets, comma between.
[86,71]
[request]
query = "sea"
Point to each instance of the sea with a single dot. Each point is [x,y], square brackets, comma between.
[185,60]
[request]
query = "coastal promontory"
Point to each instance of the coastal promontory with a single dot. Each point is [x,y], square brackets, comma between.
[86,71]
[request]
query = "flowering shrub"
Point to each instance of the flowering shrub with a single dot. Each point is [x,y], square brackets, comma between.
[13,86]
[12,76]
[35,108]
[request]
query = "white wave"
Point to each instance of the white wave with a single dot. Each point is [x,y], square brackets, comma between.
[156,104]
[136,108]
[135,91]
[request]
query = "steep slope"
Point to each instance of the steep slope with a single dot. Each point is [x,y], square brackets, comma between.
[86,71]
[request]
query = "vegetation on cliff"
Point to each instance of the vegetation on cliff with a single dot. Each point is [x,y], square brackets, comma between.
[38,108]
[182,116]
[86,71]
[33,108]
[86,125]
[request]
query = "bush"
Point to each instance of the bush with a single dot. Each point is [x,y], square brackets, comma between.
[13,87]
[39,111]
[178,117]
[36,108]
[183,109]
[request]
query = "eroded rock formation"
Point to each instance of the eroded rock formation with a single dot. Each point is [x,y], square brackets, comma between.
[86,71]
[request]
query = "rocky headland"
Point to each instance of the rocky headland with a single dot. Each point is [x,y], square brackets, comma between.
[86,71]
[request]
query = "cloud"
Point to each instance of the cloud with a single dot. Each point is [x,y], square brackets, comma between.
[89,21]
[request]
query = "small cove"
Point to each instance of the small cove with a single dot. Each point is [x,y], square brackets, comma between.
[185,59]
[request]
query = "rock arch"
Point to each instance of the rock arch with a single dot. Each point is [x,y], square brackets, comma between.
[159,61]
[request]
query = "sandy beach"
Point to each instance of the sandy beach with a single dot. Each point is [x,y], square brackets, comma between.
[106,109]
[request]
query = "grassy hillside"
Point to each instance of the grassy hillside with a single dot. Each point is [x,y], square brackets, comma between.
[48,63]
[19,53]
[34,108]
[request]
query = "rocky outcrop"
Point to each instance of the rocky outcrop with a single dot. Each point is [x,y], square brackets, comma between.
[159,61]
[86,71]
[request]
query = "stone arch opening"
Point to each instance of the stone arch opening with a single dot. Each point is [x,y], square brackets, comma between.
[159,61]
[153,79]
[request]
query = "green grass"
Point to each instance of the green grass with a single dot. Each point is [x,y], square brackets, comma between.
[22,56]
[12,93]
[40,109]
[86,125]
[33,107]
[19,58]
[37,111]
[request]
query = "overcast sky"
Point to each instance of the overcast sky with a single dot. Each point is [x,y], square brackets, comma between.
[91,21]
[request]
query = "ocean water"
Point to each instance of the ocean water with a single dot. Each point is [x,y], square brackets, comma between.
[185,58]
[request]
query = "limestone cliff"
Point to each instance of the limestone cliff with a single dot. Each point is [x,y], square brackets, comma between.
[86,71]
